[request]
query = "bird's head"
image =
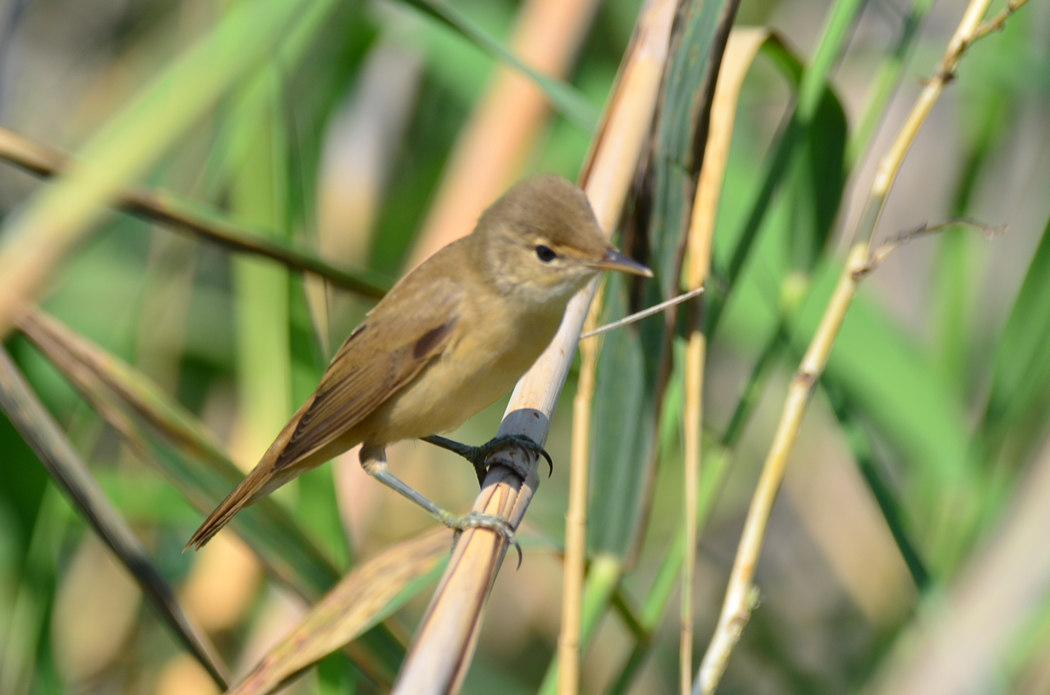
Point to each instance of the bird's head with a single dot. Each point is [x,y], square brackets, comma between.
[542,243]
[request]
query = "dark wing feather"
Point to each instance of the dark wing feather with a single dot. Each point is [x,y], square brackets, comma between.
[386,352]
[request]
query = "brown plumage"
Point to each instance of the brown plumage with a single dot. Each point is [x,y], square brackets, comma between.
[448,340]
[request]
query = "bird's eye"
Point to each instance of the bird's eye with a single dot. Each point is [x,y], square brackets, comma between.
[545,254]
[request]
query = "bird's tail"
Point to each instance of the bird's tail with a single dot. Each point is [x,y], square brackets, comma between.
[249,490]
[266,477]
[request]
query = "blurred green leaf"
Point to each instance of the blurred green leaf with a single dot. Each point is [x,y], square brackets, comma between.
[896,386]
[621,427]
[33,597]
[954,289]
[1018,404]
[634,364]
[24,485]
[818,183]
[629,367]
[813,83]
[160,432]
[864,452]
[564,97]
[133,139]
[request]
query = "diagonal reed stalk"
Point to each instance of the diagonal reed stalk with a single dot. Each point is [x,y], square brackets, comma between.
[69,472]
[741,592]
[496,142]
[438,660]
[209,225]
[47,228]
[160,432]
[367,595]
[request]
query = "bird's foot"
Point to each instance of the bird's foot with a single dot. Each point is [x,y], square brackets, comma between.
[524,444]
[479,456]
[492,522]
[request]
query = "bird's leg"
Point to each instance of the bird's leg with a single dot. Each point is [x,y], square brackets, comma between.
[376,467]
[479,455]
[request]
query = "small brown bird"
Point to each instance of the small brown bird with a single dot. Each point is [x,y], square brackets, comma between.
[448,340]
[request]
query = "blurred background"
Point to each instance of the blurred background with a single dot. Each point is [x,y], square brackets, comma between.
[373,134]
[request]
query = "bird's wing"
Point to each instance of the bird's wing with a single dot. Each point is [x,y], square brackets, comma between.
[394,344]
[388,350]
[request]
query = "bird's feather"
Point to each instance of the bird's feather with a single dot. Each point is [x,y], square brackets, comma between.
[394,344]
[366,371]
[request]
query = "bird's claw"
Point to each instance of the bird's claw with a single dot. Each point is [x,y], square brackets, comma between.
[479,456]
[519,441]
[492,522]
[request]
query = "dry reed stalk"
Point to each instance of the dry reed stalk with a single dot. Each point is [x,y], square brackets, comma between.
[71,475]
[166,209]
[574,566]
[131,141]
[503,130]
[361,599]
[740,51]
[438,660]
[741,593]
[699,246]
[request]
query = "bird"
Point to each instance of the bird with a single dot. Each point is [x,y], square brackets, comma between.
[449,339]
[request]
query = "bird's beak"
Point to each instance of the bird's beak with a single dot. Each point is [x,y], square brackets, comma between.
[614,260]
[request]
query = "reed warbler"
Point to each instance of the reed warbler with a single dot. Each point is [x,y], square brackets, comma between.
[448,340]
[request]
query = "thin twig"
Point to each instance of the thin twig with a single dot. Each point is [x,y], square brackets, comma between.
[889,245]
[692,416]
[639,315]
[741,591]
[998,22]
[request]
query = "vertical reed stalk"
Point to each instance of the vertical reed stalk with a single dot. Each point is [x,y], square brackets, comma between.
[438,661]
[741,593]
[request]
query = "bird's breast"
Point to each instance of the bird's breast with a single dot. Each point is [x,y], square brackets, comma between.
[486,356]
